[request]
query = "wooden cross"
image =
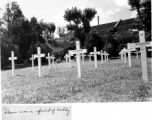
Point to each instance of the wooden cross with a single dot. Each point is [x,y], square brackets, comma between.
[39,55]
[12,58]
[78,51]
[32,58]
[95,56]
[142,45]
[49,58]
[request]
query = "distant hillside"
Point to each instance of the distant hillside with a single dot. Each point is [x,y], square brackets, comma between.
[125,25]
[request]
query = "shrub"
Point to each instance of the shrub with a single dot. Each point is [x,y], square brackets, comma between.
[93,39]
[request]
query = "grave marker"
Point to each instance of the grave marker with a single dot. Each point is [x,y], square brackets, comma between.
[90,57]
[121,54]
[78,51]
[137,54]
[142,45]
[129,55]
[12,58]
[66,58]
[49,58]
[95,56]
[82,55]
[69,54]
[101,56]
[124,50]
[104,55]
[39,55]
[107,56]
[32,59]
[52,58]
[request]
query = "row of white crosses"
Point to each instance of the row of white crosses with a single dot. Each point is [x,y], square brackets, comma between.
[38,55]
[70,53]
[142,45]
[105,54]
[123,53]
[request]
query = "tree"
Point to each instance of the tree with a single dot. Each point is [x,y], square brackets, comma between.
[61,31]
[143,8]
[93,39]
[74,15]
[86,17]
[81,21]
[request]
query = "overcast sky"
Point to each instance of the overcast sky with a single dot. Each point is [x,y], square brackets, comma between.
[53,10]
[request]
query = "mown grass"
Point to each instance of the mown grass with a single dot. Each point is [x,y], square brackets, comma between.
[113,81]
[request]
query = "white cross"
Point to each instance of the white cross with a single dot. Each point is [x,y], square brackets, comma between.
[90,57]
[49,58]
[142,45]
[129,55]
[95,56]
[12,58]
[121,53]
[32,58]
[52,58]
[66,58]
[101,56]
[124,50]
[82,55]
[78,51]
[69,54]
[106,56]
[149,49]
[39,55]
[137,53]
[104,53]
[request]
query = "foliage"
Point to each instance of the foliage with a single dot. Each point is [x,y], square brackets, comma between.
[143,8]
[22,35]
[93,39]
[61,31]
[79,21]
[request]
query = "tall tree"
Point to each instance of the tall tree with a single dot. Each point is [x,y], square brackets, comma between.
[81,21]
[86,17]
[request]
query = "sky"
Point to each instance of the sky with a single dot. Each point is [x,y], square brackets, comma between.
[53,10]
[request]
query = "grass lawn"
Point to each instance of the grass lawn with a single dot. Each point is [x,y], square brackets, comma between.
[113,81]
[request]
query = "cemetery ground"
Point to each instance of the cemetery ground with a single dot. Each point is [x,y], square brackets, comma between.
[113,81]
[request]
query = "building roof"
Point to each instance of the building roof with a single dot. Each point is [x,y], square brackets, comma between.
[125,25]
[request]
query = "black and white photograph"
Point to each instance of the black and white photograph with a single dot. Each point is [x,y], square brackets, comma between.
[75,52]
